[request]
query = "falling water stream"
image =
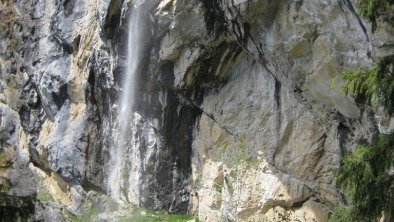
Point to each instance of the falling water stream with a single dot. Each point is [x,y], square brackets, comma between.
[126,103]
[145,167]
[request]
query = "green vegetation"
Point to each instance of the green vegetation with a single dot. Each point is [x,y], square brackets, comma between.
[137,215]
[70,216]
[44,196]
[237,154]
[364,176]
[6,157]
[342,214]
[374,86]
[4,185]
[5,162]
[365,180]
[90,216]
[143,215]
[2,157]
[375,9]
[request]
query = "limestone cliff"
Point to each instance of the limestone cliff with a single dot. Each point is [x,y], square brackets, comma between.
[240,116]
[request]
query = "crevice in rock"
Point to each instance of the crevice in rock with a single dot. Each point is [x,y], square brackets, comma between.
[301,203]
[350,6]
[290,175]
[113,18]
[66,47]
[244,39]
[75,44]
[91,92]
[68,6]
[212,66]
[320,147]
[24,115]
[89,186]
[189,102]
[284,140]
[35,159]
[342,134]
[214,17]
[278,87]
[60,97]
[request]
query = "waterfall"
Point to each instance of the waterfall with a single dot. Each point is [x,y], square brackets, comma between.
[126,102]
[147,166]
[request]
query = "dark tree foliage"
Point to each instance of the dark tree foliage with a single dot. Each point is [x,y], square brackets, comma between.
[374,86]
[365,178]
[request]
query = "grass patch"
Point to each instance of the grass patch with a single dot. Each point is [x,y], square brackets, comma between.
[44,197]
[136,215]
[143,215]
[342,214]
[90,216]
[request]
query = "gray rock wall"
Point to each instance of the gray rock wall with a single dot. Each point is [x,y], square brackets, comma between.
[240,114]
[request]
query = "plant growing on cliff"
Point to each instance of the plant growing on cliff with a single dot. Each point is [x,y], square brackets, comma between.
[365,179]
[44,196]
[374,86]
[375,9]
[342,214]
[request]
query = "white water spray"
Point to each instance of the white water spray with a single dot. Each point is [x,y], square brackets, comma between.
[126,103]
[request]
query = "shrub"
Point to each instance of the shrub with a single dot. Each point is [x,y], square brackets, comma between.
[342,214]
[374,86]
[365,180]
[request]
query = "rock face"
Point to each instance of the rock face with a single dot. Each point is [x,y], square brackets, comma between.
[239,113]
